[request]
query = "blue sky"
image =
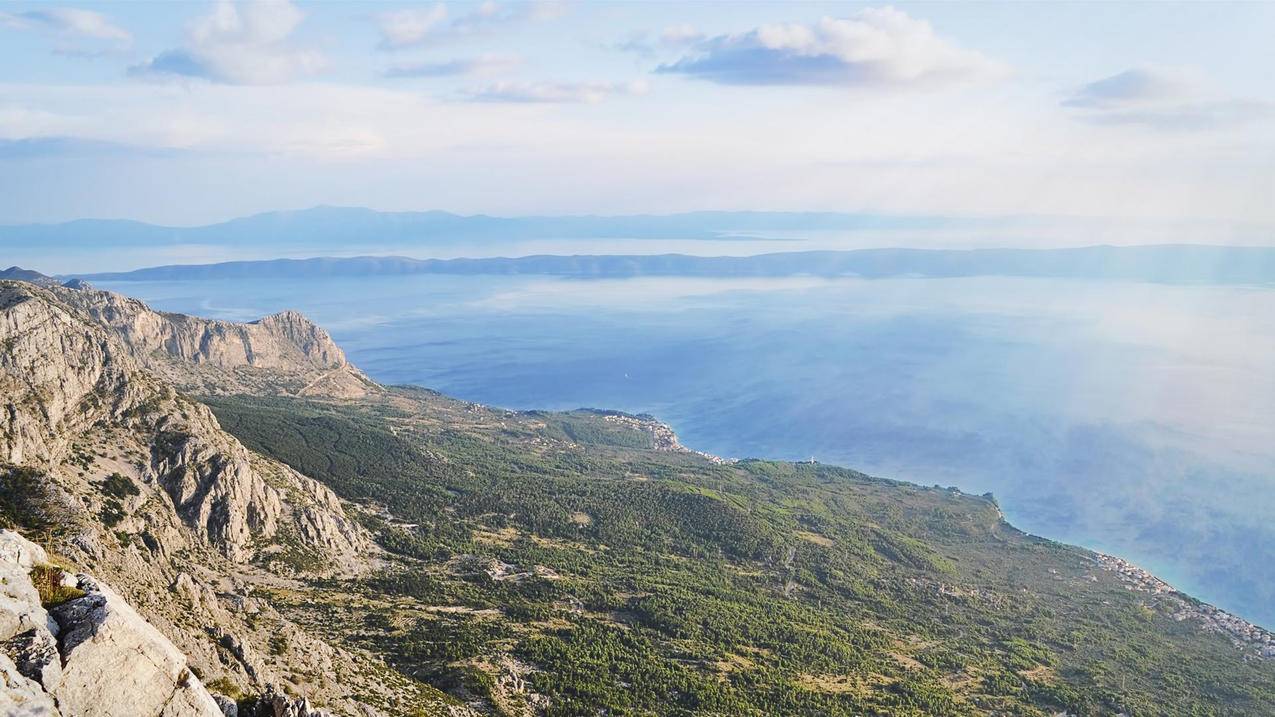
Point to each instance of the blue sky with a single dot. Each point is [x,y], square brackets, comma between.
[187,113]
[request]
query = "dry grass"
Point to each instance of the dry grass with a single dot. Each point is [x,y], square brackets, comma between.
[841,684]
[1042,674]
[815,538]
[48,582]
[503,537]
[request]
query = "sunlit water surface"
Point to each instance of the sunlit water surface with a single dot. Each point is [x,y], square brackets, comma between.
[1137,419]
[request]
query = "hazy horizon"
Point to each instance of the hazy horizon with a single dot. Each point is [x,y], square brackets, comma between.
[94,245]
[189,113]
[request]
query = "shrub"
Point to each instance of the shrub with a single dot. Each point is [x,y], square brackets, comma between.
[48,582]
[118,486]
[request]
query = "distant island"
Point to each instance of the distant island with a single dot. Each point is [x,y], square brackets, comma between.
[344,226]
[1170,263]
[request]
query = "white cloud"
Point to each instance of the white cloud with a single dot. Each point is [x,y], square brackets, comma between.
[481,65]
[240,44]
[555,92]
[680,35]
[1162,98]
[673,37]
[415,27]
[80,32]
[404,28]
[1136,86]
[875,47]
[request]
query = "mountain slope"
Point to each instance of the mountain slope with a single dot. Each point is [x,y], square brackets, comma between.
[460,560]
[570,564]
[137,484]
[282,353]
[67,380]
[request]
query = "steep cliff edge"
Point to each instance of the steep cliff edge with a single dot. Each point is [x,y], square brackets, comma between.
[139,485]
[71,389]
[284,353]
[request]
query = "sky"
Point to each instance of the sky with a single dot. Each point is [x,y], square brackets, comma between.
[191,113]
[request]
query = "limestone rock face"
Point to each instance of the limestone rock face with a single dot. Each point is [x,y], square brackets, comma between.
[284,353]
[138,485]
[21,696]
[24,633]
[56,376]
[93,655]
[117,664]
[277,705]
[62,375]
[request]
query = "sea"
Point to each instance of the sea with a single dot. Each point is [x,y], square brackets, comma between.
[1132,418]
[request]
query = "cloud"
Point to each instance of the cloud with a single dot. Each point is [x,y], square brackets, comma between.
[555,92]
[1130,86]
[673,37]
[404,28]
[414,27]
[82,32]
[481,65]
[239,44]
[39,148]
[875,47]
[1160,98]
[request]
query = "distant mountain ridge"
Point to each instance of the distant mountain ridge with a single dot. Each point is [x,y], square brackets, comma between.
[324,225]
[17,273]
[1170,263]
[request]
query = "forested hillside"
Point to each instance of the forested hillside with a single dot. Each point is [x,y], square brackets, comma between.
[574,564]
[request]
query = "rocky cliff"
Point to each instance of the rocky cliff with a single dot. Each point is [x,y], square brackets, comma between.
[284,353]
[70,387]
[88,653]
[139,486]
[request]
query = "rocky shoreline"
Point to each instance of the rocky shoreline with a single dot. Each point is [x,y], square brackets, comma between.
[1256,641]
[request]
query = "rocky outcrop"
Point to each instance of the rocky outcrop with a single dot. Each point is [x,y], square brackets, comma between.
[64,379]
[284,353]
[90,655]
[274,704]
[23,624]
[57,376]
[115,663]
[137,484]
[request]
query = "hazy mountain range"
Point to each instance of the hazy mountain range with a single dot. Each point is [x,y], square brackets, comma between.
[1165,263]
[343,226]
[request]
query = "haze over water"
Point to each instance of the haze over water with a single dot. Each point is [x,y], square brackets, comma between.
[1137,419]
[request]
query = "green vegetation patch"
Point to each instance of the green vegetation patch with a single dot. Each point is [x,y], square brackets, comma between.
[48,582]
[633,581]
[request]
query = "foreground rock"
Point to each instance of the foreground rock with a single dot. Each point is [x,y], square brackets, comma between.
[90,655]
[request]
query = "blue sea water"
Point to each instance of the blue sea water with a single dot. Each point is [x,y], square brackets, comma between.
[1137,419]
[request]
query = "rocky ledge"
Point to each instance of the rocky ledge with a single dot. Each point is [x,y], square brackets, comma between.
[71,646]
[284,353]
[77,648]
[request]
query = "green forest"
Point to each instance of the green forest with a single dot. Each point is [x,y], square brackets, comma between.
[615,578]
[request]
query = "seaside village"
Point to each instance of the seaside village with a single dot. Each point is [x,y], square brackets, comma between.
[1255,641]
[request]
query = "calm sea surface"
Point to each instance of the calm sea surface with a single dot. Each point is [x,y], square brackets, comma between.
[1137,419]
